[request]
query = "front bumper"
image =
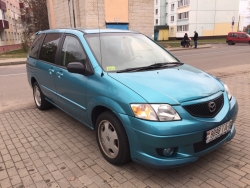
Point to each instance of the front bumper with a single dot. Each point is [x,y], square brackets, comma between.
[147,137]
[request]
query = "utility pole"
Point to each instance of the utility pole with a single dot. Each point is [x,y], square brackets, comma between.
[69,13]
[73,2]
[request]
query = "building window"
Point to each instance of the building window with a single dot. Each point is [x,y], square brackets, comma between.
[156,11]
[181,28]
[156,21]
[171,30]
[172,18]
[172,7]
[182,3]
[183,15]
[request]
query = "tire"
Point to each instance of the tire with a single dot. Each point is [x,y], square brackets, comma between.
[39,98]
[249,42]
[230,42]
[233,43]
[112,139]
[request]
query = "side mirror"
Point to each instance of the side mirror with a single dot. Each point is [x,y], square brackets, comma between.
[76,67]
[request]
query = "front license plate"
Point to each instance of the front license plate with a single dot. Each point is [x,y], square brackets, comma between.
[218,131]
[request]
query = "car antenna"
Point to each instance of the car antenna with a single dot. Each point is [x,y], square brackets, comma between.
[99,36]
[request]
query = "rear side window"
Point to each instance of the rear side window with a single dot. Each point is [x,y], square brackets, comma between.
[49,47]
[34,49]
[243,36]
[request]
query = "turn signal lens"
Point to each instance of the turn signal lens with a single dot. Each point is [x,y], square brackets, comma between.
[144,111]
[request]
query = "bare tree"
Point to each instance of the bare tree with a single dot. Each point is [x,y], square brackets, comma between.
[34,17]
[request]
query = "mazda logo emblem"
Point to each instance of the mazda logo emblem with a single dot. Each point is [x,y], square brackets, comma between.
[211,106]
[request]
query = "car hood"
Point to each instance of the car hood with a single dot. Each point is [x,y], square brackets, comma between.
[170,85]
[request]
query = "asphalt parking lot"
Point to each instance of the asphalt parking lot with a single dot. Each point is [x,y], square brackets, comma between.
[51,149]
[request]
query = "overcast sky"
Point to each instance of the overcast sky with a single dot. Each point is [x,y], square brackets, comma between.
[245,10]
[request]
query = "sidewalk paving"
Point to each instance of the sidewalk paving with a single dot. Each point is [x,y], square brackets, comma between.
[18,61]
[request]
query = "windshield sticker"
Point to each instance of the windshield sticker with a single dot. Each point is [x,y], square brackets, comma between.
[110,68]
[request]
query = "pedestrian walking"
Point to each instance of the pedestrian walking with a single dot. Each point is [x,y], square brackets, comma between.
[195,39]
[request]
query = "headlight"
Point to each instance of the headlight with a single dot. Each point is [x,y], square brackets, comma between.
[155,112]
[228,92]
[165,112]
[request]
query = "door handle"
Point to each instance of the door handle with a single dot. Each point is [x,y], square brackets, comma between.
[51,71]
[59,74]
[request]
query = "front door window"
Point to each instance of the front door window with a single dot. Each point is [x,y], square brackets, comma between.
[72,51]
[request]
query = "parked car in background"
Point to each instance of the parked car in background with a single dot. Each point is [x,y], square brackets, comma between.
[143,103]
[238,37]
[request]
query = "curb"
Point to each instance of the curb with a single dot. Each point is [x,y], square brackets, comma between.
[180,49]
[13,63]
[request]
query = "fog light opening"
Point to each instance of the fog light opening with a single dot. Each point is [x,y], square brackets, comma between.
[168,151]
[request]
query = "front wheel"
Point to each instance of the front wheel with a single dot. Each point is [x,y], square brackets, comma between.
[112,139]
[230,42]
[39,98]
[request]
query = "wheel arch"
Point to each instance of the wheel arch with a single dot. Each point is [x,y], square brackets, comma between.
[96,111]
[33,80]
[100,104]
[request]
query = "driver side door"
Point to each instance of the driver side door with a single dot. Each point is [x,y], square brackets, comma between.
[71,87]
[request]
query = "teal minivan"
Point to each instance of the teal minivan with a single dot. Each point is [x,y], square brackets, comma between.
[142,102]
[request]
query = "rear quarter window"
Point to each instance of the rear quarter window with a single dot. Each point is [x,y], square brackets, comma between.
[34,48]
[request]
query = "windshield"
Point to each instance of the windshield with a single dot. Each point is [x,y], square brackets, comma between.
[126,50]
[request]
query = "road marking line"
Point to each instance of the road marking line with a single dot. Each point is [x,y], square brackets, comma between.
[210,53]
[13,74]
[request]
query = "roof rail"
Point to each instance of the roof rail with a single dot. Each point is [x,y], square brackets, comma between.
[78,29]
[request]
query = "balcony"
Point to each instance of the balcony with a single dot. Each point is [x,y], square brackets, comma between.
[3,5]
[4,24]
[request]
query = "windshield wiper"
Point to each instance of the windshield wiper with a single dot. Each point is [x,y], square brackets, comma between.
[153,66]
[164,64]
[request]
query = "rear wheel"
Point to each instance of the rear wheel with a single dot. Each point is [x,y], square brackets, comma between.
[39,98]
[112,139]
[230,42]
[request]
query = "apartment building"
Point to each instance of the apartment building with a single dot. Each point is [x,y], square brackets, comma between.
[10,29]
[135,15]
[161,30]
[207,17]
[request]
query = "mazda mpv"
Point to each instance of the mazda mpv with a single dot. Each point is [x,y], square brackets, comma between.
[142,102]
